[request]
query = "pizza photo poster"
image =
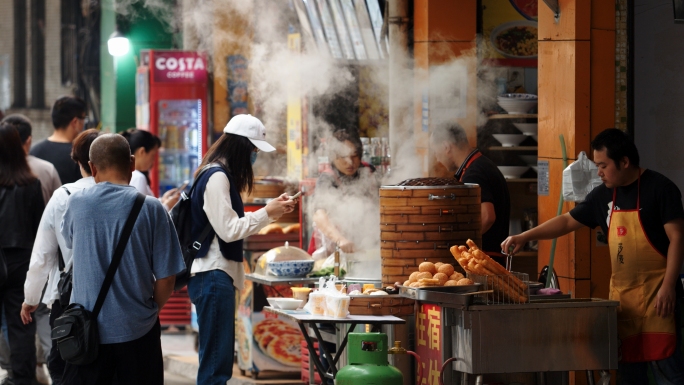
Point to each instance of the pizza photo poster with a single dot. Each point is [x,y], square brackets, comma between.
[276,343]
[510,32]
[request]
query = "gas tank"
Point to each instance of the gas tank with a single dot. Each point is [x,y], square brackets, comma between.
[368,364]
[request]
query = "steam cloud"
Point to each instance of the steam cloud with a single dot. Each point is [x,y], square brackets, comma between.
[277,74]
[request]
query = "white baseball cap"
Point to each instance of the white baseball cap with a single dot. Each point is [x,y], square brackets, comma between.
[251,128]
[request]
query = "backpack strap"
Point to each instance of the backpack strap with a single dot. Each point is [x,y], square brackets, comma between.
[60,256]
[118,253]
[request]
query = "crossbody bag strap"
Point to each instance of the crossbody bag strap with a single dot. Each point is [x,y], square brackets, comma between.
[60,261]
[118,253]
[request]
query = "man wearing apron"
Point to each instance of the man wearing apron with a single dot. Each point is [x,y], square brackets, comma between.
[641,212]
[450,145]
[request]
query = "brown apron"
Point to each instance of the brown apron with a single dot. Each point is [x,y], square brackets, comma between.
[638,272]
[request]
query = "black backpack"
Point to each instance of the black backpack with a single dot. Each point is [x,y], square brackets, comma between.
[181,216]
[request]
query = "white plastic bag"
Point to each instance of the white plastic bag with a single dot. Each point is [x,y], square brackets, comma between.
[579,178]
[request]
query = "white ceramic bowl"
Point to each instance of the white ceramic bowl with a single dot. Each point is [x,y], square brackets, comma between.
[289,303]
[530,160]
[517,103]
[527,128]
[509,140]
[273,301]
[512,172]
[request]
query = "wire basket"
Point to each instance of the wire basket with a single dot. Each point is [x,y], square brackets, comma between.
[507,289]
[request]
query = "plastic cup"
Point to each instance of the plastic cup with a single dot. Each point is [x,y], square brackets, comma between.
[318,303]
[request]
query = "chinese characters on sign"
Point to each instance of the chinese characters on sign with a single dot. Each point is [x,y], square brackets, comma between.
[429,342]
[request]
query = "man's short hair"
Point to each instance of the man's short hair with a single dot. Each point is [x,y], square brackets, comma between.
[618,145]
[111,152]
[449,132]
[21,123]
[66,109]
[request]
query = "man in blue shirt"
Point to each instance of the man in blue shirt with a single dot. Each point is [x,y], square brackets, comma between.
[130,349]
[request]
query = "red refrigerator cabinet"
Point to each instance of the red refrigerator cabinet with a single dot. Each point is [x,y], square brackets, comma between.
[171,102]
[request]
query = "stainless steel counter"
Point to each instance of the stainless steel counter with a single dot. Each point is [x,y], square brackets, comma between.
[543,336]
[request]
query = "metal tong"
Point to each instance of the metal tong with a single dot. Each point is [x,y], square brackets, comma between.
[509,260]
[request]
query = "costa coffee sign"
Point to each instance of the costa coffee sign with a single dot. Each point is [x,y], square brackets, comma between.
[179,67]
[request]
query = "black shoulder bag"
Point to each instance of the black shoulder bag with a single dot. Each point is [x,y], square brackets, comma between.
[64,284]
[75,332]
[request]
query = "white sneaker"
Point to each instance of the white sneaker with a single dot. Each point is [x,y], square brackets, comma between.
[42,375]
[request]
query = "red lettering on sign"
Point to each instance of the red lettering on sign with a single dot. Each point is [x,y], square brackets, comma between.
[621,231]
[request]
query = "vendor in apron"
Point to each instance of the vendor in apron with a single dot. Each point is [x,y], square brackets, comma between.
[450,145]
[641,212]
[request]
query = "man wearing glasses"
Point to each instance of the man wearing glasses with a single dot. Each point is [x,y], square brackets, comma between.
[68,119]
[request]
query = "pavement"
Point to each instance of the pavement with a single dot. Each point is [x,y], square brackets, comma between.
[181,363]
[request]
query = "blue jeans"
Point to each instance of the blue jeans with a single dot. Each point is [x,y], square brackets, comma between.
[669,371]
[213,294]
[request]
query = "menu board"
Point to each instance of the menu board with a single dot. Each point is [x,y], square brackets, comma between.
[510,32]
[316,26]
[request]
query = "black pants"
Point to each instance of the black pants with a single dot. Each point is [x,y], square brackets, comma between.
[135,362]
[21,337]
[55,362]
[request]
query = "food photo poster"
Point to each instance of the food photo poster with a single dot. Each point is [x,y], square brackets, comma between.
[510,32]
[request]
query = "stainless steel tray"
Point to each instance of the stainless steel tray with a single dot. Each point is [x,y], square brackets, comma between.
[442,294]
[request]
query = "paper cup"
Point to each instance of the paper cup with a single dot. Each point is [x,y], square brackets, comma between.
[337,306]
[318,303]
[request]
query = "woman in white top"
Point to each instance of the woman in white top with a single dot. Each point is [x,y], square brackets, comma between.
[44,265]
[145,148]
[217,271]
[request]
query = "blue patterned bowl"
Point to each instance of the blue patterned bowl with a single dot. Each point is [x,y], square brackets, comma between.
[291,268]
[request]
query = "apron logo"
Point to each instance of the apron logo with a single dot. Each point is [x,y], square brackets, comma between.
[621,231]
[620,257]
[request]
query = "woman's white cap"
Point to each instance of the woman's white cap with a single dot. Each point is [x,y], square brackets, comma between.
[251,128]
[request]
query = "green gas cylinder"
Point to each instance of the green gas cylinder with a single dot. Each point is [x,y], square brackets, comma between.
[368,365]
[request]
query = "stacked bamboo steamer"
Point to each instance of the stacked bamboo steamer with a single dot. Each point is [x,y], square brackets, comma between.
[420,219]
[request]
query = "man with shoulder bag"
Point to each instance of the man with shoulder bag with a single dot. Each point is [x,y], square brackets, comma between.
[124,270]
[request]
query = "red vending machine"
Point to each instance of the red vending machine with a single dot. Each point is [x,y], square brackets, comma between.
[171,102]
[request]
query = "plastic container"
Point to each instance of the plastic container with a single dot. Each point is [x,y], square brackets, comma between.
[317,302]
[337,306]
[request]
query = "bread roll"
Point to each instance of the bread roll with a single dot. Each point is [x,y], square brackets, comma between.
[406,283]
[464,281]
[437,265]
[414,277]
[427,267]
[447,269]
[413,284]
[273,228]
[291,229]
[451,282]
[424,274]
[441,277]
[456,276]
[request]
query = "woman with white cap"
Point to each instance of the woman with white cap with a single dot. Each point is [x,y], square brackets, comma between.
[226,170]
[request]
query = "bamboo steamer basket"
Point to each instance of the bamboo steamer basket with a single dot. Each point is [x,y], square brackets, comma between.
[421,223]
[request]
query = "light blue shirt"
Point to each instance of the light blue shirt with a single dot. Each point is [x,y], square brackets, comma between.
[92,226]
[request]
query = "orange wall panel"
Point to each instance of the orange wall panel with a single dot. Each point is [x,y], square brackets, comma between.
[445,20]
[564,97]
[603,15]
[574,22]
[602,81]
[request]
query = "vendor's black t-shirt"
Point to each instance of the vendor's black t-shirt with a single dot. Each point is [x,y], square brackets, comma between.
[660,202]
[59,154]
[493,189]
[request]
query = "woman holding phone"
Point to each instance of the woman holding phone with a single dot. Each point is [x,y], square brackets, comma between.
[217,271]
[145,147]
